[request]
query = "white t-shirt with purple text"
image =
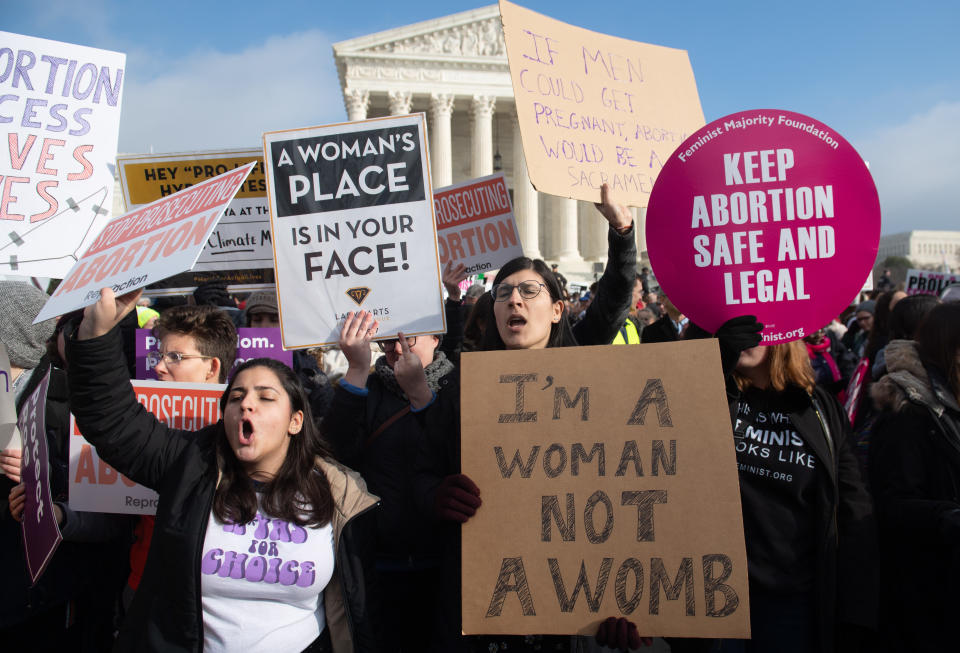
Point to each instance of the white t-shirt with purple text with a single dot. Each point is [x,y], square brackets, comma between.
[262,584]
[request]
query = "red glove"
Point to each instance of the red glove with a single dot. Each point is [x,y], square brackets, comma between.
[457,498]
[621,634]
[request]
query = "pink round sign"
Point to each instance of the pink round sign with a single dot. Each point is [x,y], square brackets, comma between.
[767,213]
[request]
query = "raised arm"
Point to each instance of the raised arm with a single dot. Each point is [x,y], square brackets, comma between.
[125,434]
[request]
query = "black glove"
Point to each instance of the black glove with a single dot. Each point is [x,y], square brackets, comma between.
[736,335]
[620,634]
[457,498]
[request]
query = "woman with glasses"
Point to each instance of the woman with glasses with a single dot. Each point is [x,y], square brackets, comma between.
[527,312]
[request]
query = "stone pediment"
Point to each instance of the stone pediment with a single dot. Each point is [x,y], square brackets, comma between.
[475,33]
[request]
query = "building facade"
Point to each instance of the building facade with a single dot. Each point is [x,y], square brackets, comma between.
[455,70]
[925,249]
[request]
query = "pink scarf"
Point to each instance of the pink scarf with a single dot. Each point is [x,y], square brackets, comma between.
[823,349]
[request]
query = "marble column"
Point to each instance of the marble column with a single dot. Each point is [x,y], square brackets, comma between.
[400,102]
[481,110]
[357,101]
[564,224]
[593,233]
[639,226]
[526,200]
[441,149]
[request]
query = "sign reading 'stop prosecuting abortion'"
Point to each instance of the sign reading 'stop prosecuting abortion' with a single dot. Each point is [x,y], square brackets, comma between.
[59,120]
[353,228]
[475,224]
[603,494]
[594,108]
[95,486]
[241,240]
[767,213]
[147,245]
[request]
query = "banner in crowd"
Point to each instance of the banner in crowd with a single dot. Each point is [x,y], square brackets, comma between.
[9,434]
[60,105]
[595,108]
[351,209]
[95,486]
[41,534]
[251,343]
[929,282]
[619,492]
[767,213]
[475,224]
[148,244]
[241,240]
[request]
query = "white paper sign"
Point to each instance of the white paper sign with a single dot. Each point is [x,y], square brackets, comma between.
[96,487]
[241,240]
[151,243]
[475,224]
[9,434]
[353,226]
[59,119]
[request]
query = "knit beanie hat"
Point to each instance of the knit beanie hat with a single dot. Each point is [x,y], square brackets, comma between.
[262,301]
[19,305]
[867,306]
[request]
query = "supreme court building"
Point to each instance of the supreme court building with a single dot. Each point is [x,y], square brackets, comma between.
[455,70]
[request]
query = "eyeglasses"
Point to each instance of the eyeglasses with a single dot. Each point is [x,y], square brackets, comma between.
[387,345]
[528,290]
[170,358]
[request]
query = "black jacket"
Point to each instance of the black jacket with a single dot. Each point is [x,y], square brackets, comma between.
[406,537]
[845,582]
[166,614]
[915,475]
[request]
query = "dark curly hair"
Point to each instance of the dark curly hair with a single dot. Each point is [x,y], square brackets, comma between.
[211,328]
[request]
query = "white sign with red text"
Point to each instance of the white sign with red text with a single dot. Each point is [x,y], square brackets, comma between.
[475,224]
[146,245]
[95,486]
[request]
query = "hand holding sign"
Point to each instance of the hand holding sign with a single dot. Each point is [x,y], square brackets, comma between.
[617,215]
[355,338]
[107,313]
[10,463]
[452,276]
[457,498]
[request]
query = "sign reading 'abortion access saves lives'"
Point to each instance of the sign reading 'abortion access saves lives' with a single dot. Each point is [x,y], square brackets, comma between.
[352,218]
[59,120]
[768,213]
[95,486]
[475,224]
[146,245]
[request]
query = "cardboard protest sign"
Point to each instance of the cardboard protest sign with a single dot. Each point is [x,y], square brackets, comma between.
[41,534]
[9,434]
[251,343]
[928,282]
[95,486]
[595,108]
[241,240]
[475,224]
[767,213]
[603,494]
[60,109]
[353,228]
[147,244]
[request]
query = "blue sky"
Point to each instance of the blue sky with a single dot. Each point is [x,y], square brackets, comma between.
[883,74]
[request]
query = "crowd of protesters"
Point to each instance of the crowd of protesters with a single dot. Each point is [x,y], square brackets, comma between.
[347,469]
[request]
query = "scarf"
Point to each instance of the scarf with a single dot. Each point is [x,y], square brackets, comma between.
[439,368]
[823,349]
